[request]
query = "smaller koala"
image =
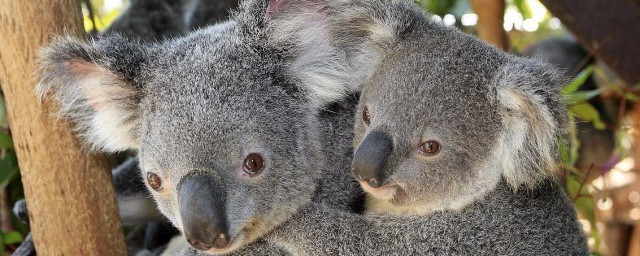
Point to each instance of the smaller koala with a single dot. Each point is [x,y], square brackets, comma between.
[455,144]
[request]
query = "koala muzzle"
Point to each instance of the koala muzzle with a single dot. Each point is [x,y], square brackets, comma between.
[202,207]
[370,158]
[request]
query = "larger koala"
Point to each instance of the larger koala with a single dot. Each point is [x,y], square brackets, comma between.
[455,144]
[237,128]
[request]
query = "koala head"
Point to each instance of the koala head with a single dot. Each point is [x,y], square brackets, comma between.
[223,119]
[444,117]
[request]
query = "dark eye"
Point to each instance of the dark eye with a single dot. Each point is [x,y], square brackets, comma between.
[253,164]
[429,148]
[366,117]
[155,182]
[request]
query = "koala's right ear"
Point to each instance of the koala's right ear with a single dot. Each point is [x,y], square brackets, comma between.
[366,30]
[96,86]
[534,118]
[300,31]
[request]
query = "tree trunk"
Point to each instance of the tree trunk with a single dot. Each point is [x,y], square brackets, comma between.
[634,240]
[70,197]
[608,29]
[490,22]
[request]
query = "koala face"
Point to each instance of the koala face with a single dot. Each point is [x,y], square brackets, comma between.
[224,119]
[431,129]
[444,117]
[225,142]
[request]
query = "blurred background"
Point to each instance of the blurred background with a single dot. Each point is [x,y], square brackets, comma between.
[595,42]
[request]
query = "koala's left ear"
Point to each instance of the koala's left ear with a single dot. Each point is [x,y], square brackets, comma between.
[96,86]
[534,118]
[301,31]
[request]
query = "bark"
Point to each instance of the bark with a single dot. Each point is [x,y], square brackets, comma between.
[608,29]
[634,241]
[70,198]
[490,22]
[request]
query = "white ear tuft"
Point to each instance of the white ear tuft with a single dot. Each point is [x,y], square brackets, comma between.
[302,29]
[534,120]
[100,102]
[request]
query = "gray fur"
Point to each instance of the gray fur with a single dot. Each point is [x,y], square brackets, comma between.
[499,120]
[530,222]
[201,103]
[135,203]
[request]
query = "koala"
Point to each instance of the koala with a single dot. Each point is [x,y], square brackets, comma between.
[236,126]
[455,144]
[150,20]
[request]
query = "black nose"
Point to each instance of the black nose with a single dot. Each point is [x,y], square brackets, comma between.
[202,207]
[370,158]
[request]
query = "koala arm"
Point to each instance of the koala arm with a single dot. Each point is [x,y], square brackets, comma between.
[260,247]
[321,230]
[535,222]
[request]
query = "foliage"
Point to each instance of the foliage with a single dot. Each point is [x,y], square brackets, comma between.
[96,16]
[9,183]
[575,180]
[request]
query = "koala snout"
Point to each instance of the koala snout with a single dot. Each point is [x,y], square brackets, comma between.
[370,158]
[201,199]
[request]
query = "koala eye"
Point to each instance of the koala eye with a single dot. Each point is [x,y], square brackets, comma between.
[253,164]
[429,148]
[366,117]
[155,182]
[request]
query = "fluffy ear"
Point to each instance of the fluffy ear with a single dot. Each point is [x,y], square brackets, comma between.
[365,30]
[96,86]
[301,31]
[534,118]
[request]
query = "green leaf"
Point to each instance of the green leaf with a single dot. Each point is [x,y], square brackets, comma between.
[585,204]
[574,142]
[6,141]
[615,88]
[575,84]
[564,152]
[3,112]
[582,96]
[523,8]
[438,7]
[631,97]
[12,237]
[588,113]
[8,169]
